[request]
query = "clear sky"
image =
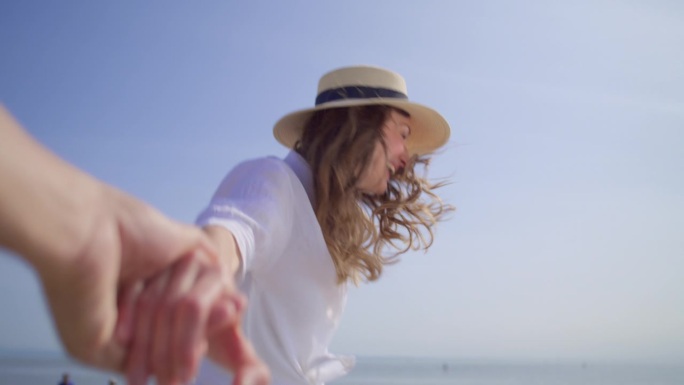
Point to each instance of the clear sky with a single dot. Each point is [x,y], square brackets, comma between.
[566,157]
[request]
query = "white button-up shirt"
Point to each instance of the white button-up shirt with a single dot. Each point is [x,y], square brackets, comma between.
[286,271]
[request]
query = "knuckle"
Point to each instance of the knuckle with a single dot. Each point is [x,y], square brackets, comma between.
[187,358]
[190,304]
[146,300]
[157,365]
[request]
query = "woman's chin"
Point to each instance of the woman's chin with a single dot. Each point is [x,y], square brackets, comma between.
[382,189]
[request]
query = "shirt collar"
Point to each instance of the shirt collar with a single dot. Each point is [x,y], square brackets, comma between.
[303,171]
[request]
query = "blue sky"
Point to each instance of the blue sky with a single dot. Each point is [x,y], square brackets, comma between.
[565,159]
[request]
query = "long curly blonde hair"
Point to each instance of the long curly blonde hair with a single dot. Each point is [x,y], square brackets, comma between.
[361,230]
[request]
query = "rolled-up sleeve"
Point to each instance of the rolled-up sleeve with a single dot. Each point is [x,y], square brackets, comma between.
[255,203]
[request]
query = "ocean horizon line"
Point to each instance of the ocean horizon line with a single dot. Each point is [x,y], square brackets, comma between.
[455,360]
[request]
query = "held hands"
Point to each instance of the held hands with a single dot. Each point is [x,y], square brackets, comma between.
[188,310]
[126,241]
[146,296]
[96,248]
[181,314]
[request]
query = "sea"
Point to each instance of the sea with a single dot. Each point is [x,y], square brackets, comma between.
[48,369]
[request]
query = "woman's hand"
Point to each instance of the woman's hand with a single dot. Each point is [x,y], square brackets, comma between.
[165,323]
[179,315]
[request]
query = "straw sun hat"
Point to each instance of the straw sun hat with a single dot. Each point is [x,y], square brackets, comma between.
[364,85]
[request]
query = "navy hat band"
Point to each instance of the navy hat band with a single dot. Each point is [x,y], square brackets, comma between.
[357,92]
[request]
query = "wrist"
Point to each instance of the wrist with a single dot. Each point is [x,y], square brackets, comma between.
[228,252]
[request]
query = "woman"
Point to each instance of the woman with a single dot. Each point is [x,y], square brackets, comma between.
[343,204]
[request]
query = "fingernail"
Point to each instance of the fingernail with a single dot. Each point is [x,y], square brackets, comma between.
[251,377]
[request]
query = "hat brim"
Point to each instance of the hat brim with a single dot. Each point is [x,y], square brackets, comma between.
[429,130]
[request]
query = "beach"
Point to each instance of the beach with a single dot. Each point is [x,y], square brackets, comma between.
[441,371]
[42,369]
[47,368]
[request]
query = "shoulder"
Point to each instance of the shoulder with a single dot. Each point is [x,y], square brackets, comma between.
[267,164]
[268,169]
[259,175]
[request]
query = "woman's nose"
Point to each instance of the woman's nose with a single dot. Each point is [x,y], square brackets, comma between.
[403,155]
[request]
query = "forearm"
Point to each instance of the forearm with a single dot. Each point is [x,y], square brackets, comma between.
[46,205]
[228,251]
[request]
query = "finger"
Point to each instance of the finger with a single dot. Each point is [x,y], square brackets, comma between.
[190,323]
[182,278]
[229,348]
[252,374]
[225,312]
[251,370]
[126,302]
[232,350]
[138,365]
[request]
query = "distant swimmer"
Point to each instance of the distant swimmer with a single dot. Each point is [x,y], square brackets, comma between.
[65,380]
